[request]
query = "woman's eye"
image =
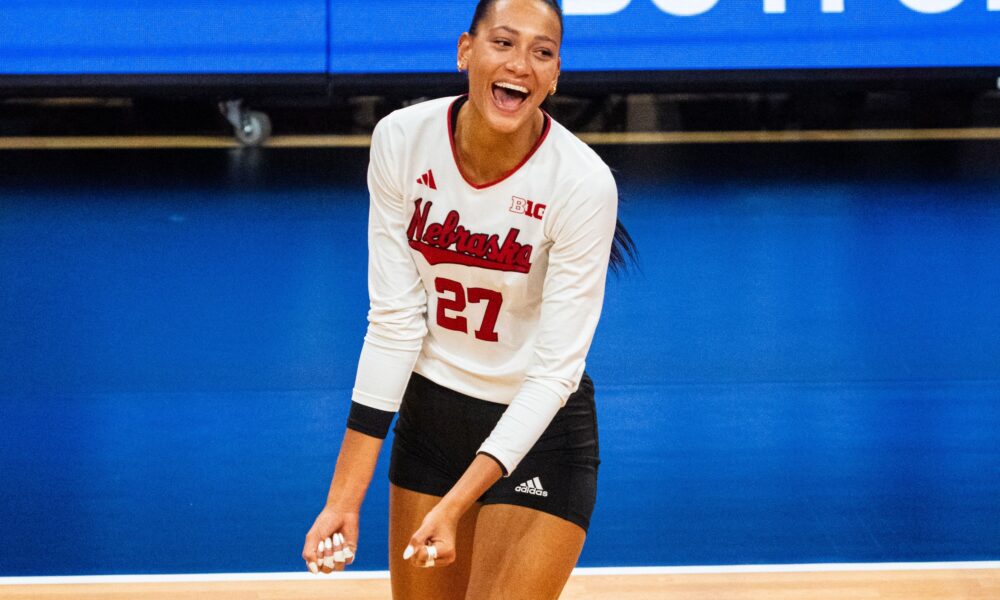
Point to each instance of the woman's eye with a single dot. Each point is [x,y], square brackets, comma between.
[546,53]
[503,43]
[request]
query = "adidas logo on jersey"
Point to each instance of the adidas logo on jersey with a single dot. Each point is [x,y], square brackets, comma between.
[428,180]
[532,486]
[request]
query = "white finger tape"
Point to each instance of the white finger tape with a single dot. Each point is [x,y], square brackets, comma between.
[432,552]
[314,567]
[348,553]
[328,543]
[338,556]
[328,562]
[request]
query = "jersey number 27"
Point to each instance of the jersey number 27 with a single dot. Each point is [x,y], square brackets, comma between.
[457,302]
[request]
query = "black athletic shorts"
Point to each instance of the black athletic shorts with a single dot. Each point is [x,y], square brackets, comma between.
[439,431]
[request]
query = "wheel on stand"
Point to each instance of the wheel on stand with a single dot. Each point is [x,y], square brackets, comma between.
[251,127]
[254,129]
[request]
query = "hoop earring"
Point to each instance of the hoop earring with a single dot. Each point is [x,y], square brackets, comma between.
[552,90]
[462,65]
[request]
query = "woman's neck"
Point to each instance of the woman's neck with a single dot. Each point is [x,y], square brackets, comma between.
[485,155]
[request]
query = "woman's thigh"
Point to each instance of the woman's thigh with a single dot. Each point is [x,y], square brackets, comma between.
[522,554]
[407,510]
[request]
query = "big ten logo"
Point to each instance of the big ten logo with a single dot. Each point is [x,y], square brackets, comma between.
[690,8]
[523,206]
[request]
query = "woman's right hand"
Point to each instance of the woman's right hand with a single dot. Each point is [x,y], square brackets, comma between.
[332,541]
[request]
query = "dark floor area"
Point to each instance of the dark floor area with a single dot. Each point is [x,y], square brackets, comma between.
[639,112]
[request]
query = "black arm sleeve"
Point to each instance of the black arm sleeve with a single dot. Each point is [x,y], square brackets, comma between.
[369,421]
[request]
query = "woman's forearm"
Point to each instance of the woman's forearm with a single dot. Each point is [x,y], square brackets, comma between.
[355,467]
[481,474]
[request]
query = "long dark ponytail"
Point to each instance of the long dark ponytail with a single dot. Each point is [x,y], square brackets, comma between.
[623,251]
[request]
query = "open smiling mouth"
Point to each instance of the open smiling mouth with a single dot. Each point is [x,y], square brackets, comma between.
[509,96]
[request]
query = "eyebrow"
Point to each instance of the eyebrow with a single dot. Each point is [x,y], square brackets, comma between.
[513,31]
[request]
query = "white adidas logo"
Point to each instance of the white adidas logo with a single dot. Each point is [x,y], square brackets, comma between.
[533,487]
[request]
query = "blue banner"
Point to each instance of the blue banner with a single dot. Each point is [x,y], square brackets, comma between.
[384,36]
[67,37]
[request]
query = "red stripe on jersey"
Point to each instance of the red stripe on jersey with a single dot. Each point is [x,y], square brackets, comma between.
[437,256]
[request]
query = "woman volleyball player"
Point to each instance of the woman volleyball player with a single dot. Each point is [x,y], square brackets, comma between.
[490,233]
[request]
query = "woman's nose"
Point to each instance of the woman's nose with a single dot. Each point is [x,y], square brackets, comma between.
[517,63]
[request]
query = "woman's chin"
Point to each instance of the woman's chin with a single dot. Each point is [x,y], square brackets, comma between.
[504,120]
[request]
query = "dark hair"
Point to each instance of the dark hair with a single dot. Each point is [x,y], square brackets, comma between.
[623,250]
[484,6]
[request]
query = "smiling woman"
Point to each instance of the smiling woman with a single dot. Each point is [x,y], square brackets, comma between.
[491,228]
[512,57]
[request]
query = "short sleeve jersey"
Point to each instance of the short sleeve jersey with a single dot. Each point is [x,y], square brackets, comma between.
[492,289]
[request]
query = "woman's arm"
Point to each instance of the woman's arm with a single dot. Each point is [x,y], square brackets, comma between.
[582,230]
[479,477]
[396,328]
[439,526]
[341,515]
[353,474]
[397,299]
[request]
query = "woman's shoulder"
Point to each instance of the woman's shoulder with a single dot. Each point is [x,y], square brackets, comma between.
[575,166]
[575,154]
[416,116]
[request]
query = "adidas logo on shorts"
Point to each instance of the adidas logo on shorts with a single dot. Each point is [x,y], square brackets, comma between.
[533,487]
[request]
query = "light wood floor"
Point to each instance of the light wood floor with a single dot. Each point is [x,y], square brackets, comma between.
[973,584]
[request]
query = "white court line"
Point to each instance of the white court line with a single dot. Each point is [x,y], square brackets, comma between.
[803,568]
[580,571]
[191,578]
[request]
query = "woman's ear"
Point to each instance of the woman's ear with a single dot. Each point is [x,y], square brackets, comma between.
[464,45]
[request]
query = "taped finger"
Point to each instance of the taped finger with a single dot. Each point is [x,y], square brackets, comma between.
[338,548]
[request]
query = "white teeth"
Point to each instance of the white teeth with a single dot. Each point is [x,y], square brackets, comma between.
[511,86]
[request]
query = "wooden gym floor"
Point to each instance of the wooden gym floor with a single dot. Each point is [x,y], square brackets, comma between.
[937,584]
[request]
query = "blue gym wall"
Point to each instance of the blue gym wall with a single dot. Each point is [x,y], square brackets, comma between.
[803,368]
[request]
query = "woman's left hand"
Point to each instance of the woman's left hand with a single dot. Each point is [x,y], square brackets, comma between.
[433,545]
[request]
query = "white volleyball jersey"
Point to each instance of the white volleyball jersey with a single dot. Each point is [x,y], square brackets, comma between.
[491,290]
